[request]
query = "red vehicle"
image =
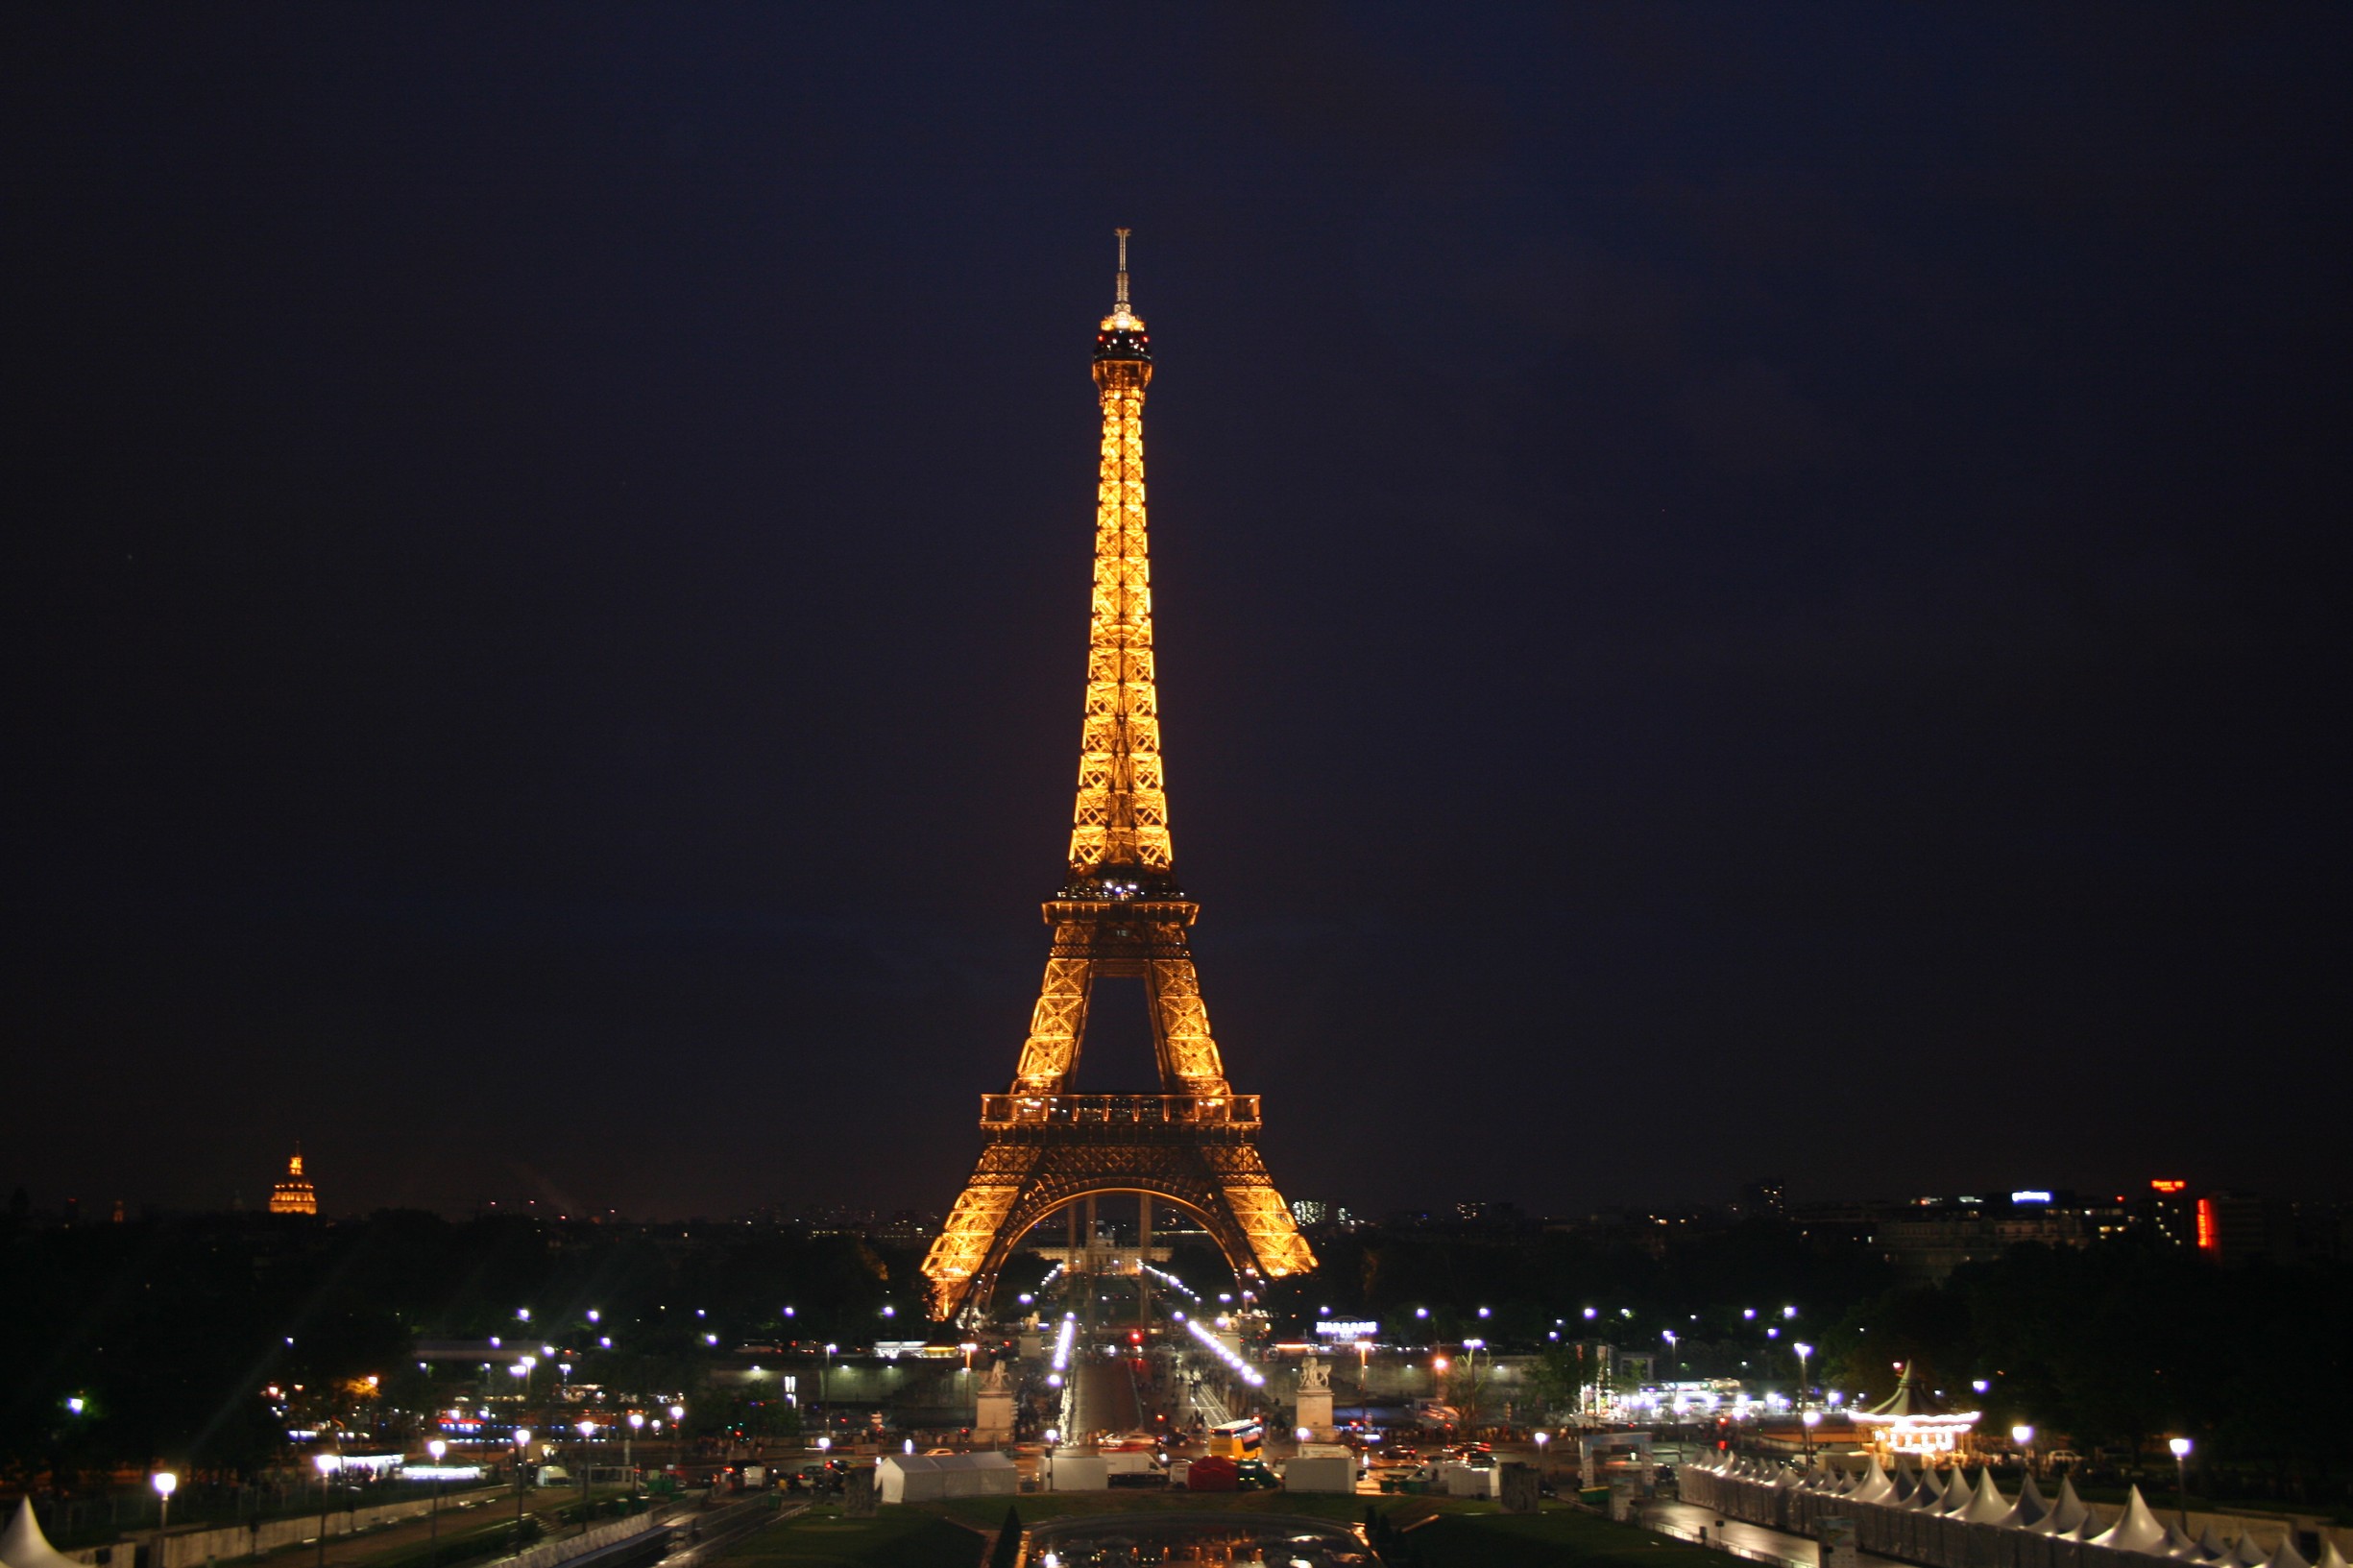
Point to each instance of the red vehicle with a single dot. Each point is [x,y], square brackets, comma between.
[1213,1475]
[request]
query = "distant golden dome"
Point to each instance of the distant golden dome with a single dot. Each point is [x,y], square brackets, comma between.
[293,1195]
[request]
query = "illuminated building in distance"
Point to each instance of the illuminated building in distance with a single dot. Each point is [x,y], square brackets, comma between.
[293,1195]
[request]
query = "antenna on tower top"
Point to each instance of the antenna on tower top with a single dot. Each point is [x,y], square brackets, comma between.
[1123,265]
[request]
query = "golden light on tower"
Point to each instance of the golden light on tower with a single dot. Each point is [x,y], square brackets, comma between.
[1119,912]
[293,1195]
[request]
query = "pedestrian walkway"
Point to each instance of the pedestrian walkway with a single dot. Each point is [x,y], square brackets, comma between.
[1757,1543]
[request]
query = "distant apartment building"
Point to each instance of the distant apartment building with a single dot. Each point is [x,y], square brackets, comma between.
[1928,1240]
[2234,1228]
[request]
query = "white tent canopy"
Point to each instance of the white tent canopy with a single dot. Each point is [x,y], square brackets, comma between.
[1874,1487]
[1988,1507]
[2028,1511]
[923,1478]
[2136,1529]
[2288,1557]
[2067,1515]
[22,1545]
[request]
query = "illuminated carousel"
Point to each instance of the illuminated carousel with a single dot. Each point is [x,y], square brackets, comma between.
[1910,1425]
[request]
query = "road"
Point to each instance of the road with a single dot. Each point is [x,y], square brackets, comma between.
[1106,1393]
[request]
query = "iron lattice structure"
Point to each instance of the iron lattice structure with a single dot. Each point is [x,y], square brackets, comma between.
[1120,912]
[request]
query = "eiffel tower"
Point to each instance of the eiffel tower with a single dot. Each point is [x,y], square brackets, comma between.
[1120,913]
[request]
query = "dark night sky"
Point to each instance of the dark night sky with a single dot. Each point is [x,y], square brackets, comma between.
[1741,590]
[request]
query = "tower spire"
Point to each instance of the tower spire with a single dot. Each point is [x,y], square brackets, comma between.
[1123,322]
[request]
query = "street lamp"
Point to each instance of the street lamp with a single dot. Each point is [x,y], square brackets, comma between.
[637,1423]
[436,1448]
[1473,1347]
[2022,1436]
[522,1451]
[2181,1473]
[165,1483]
[587,1429]
[327,1467]
[1808,1420]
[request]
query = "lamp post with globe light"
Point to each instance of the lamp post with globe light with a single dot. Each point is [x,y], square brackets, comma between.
[637,1422]
[1471,1349]
[2022,1436]
[165,1483]
[325,1463]
[1807,1419]
[587,1429]
[2181,1475]
[436,1448]
[523,1456]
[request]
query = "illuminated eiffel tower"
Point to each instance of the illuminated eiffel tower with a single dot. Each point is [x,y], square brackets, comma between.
[1121,913]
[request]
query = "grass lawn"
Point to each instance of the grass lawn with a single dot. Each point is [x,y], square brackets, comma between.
[904,1536]
[1541,1540]
[1468,1533]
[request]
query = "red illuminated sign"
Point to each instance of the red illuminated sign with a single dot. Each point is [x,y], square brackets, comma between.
[2208,1240]
[2162,1185]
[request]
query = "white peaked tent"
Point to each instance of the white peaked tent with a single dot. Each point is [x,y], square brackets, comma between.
[1987,1506]
[2176,1545]
[2067,1515]
[2136,1529]
[2330,1556]
[2210,1547]
[1874,1487]
[1956,1493]
[1929,1497]
[2288,1557]
[2028,1511]
[22,1545]
[2247,1553]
